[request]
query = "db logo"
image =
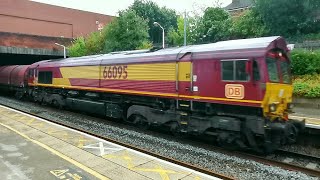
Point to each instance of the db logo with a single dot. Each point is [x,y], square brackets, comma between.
[234,91]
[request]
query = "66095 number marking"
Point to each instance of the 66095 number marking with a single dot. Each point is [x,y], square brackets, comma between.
[115,72]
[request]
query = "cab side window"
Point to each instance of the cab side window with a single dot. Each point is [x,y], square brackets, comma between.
[240,69]
[30,73]
[45,77]
[227,70]
[256,73]
[234,70]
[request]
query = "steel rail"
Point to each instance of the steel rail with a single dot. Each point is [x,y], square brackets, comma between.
[298,155]
[287,166]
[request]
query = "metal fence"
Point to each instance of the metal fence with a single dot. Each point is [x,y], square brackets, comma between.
[312,45]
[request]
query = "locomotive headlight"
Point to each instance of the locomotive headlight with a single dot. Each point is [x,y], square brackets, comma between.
[272,107]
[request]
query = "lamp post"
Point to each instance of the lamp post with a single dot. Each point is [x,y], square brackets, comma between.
[64,49]
[185,29]
[157,24]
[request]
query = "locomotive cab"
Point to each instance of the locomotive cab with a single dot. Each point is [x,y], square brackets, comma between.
[277,100]
[278,88]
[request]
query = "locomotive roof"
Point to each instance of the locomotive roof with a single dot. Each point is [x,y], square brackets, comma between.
[242,48]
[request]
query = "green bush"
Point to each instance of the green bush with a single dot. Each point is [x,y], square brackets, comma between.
[314,92]
[305,62]
[307,86]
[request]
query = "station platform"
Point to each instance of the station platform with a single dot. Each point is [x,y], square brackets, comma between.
[312,116]
[31,148]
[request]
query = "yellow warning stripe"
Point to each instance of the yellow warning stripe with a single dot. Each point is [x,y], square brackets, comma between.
[149,93]
[85,168]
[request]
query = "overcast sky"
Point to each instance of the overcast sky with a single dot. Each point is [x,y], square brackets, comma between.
[111,7]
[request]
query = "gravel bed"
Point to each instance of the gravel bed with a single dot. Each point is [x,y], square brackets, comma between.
[218,162]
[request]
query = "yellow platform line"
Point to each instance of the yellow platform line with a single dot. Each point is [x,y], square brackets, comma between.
[83,167]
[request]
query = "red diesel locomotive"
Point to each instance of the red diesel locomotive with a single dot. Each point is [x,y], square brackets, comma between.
[237,92]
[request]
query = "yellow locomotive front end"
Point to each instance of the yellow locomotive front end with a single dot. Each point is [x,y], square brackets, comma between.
[277,102]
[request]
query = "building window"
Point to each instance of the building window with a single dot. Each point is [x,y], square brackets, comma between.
[45,77]
[234,70]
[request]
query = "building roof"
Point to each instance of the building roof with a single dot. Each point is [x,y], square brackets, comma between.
[238,4]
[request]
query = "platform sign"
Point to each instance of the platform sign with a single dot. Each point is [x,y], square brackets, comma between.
[234,91]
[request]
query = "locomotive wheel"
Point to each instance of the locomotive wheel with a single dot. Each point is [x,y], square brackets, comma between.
[141,122]
[228,141]
[175,129]
[56,104]
[18,95]
[292,134]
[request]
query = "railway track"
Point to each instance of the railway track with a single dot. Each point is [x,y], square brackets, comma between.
[284,165]
[268,160]
[187,165]
[313,165]
[261,159]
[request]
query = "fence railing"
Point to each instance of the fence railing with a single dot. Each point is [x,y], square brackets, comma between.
[308,45]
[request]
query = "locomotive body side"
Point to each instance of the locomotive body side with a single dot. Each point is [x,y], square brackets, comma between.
[140,77]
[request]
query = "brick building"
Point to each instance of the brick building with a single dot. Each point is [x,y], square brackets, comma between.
[29,30]
[237,7]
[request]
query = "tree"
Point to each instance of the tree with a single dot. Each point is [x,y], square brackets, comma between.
[128,32]
[95,42]
[176,36]
[92,44]
[289,17]
[248,25]
[215,25]
[78,47]
[151,12]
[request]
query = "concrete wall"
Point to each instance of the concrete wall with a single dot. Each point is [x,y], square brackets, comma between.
[28,17]
[306,103]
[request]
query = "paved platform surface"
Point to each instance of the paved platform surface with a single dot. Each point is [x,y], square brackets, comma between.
[22,159]
[312,116]
[31,148]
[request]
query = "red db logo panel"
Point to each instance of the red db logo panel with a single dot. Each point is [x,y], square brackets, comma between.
[234,91]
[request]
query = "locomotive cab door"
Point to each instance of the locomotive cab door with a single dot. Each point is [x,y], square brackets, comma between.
[184,82]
